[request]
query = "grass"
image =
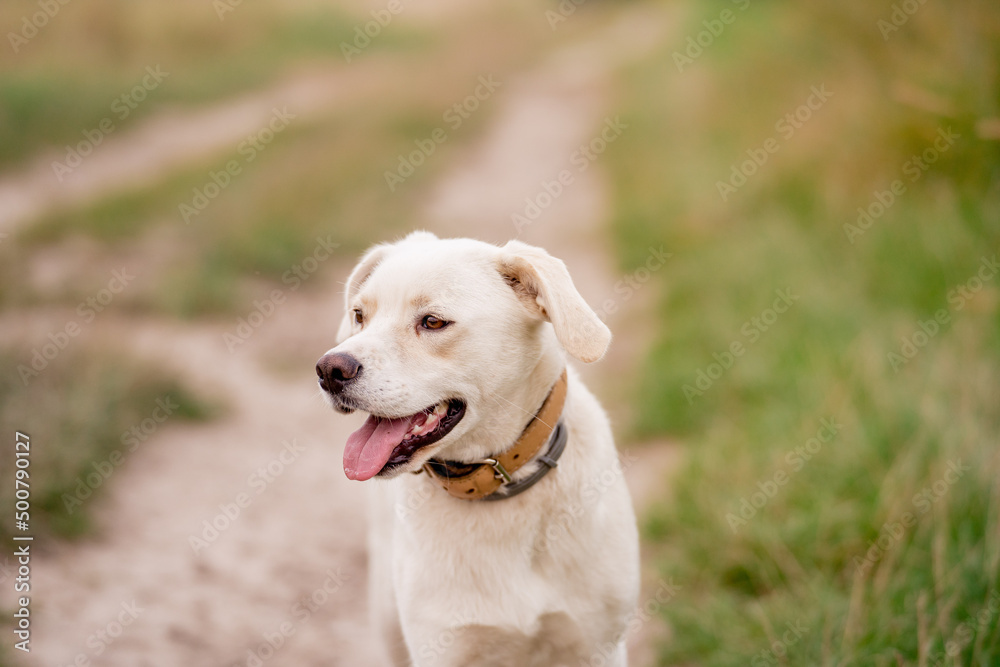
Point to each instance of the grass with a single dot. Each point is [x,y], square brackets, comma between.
[321,178]
[71,76]
[65,81]
[262,224]
[91,398]
[868,548]
[854,544]
[318,180]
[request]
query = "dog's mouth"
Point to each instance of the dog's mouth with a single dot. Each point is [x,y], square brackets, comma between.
[383,444]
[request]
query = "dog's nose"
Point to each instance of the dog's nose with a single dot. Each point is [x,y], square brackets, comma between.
[335,371]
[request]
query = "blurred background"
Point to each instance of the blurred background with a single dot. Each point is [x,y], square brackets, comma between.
[789,214]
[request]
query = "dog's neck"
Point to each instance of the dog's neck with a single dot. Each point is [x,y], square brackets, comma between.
[509,410]
[535,453]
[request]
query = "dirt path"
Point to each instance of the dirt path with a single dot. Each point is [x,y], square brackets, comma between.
[509,186]
[156,147]
[283,581]
[299,539]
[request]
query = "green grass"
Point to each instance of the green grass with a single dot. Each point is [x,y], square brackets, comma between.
[800,557]
[79,413]
[319,180]
[67,79]
[322,177]
[264,222]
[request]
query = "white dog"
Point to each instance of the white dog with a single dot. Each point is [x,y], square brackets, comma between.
[514,542]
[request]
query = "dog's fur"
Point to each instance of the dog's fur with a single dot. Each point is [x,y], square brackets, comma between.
[549,577]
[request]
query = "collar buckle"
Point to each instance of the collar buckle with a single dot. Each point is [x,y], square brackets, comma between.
[499,471]
[482,479]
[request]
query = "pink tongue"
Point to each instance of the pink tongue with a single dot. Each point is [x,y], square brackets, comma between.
[369,448]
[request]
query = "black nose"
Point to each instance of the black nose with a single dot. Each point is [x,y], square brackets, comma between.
[335,371]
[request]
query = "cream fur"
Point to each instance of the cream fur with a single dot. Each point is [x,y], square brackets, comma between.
[548,577]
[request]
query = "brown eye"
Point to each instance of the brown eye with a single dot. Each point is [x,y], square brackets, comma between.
[358,317]
[431,322]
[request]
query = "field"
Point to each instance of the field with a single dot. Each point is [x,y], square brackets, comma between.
[828,337]
[820,346]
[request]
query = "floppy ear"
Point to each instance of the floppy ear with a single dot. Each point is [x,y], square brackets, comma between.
[364,269]
[543,284]
[358,276]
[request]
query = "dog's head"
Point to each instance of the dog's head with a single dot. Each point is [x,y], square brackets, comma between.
[442,341]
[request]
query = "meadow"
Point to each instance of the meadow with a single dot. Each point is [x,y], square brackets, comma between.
[827,347]
[826,336]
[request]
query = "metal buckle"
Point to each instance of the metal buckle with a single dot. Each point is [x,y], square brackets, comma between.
[499,470]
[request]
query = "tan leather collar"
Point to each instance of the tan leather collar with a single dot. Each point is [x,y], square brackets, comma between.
[478,480]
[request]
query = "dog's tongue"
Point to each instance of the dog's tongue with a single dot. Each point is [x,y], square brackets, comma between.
[368,449]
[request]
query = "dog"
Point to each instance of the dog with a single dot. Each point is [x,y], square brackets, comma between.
[501,529]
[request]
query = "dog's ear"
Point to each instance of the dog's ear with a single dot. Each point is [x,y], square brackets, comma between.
[358,276]
[543,284]
[369,261]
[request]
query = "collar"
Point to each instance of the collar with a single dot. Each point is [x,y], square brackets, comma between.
[482,479]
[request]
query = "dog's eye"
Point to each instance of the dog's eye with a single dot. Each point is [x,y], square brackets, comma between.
[431,322]
[358,317]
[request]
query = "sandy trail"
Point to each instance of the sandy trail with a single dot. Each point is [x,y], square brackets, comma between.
[298,539]
[152,150]
[283,582]
[555,124]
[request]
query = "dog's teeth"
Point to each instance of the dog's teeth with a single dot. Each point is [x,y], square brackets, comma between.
[431,422]
[429,425]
